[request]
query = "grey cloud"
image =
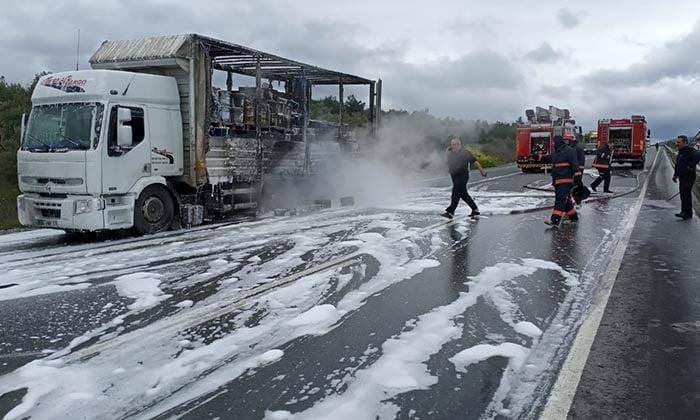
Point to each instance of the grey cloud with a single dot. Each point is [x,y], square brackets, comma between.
[545,53]
[567,18]
[481,84]
[660,105]
[556,91]
[676,59]
[478,28]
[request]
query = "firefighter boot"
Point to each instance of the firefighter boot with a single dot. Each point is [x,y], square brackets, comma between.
[554,221]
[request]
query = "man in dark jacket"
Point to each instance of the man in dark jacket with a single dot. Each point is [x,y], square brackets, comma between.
[564,164]
[459,161]
[602,164]
[686,161]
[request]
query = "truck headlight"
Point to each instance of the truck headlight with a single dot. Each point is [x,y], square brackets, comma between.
[83,206]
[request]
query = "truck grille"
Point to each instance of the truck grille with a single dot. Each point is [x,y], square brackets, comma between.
[58,181]
[48,209]
[51,213]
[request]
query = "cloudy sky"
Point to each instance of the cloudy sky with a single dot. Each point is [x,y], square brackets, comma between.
[466,59]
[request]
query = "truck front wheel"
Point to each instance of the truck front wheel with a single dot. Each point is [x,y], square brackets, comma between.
[154,210]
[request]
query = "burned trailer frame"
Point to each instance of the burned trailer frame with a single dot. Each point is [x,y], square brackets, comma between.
[226,169]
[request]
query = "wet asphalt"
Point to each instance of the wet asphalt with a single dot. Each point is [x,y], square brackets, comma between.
[644,359]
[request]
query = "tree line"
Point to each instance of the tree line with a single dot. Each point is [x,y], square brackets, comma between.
[419,133]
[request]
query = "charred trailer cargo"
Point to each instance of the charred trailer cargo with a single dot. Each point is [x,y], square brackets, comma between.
[145,140]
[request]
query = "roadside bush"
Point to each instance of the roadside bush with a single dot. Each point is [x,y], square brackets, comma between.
[486,160]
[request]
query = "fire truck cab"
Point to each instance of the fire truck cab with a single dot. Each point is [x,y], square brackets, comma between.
[536,136]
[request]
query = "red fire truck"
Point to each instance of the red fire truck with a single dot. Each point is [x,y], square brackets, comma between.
[627,138]
[536,136]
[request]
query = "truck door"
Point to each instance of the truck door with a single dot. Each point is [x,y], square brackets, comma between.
[124,164]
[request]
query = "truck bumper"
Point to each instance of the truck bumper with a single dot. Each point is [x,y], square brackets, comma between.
[76,212]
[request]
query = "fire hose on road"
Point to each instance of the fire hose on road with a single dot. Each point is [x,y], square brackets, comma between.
[590,200]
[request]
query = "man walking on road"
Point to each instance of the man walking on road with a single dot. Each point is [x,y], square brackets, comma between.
[602,164]
[458,161]
[564,164]
[686,161]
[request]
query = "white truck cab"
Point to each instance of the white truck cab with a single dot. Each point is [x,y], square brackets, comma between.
[94,141]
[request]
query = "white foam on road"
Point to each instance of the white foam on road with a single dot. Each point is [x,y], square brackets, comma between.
[489,202]
[271,356]
[170,367]
[143,287]
[402,366]
[29,235]
[514,352]
[528,328]
[322,315]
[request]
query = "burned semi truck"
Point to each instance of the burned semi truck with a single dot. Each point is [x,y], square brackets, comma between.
[144,140]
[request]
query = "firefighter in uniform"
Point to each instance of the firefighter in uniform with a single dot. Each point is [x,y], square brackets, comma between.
[581,155]
[602,164]
[577,192]
[564,164]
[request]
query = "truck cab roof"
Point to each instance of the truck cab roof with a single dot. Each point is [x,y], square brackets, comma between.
[103,85]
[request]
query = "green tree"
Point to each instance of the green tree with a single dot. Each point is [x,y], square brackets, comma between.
[354,105]
[15,100]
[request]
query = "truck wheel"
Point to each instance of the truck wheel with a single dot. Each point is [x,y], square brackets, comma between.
[154,210]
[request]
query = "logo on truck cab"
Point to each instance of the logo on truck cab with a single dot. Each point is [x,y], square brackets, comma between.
[65,83]
[162,153]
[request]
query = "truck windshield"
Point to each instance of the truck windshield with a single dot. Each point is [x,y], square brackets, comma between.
[63,127]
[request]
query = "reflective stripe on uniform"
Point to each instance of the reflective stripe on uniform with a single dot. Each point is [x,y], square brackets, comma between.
[601,165]
[563,181]
[571,212]
[556,212]
[562,165]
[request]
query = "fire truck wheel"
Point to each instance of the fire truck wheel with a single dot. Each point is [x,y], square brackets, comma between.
[154,210]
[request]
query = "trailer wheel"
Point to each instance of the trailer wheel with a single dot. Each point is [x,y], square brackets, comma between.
[154,210]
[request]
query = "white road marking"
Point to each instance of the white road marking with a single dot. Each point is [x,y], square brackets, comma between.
[564,390]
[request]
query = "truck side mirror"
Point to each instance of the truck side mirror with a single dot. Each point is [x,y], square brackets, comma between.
[124,136]
[124,132]
[123,115]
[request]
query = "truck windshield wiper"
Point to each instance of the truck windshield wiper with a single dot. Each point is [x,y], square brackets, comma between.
[36,139]
[72,141]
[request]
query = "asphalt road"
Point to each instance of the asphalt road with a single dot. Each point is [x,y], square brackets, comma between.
[645,361]
[384,310]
